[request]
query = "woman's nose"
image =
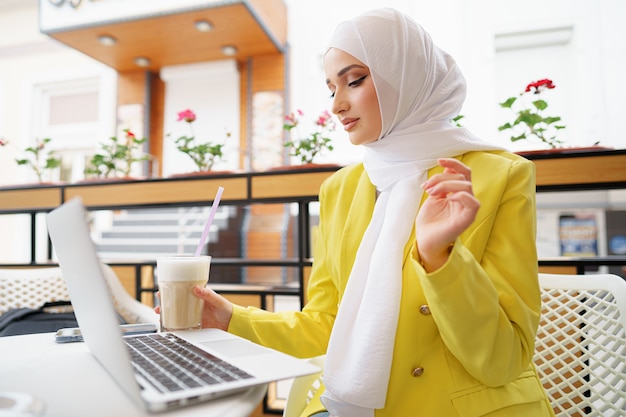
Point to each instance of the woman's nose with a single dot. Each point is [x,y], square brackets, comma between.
[339,104]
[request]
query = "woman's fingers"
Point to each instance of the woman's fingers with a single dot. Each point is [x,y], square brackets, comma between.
[467,200]
[217,309]
[203,292]
[444,188]
[456,177]
[454,165]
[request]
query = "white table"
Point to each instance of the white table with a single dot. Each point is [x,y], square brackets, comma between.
[71,383]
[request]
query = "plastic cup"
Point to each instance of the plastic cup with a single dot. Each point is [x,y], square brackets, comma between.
[177,276]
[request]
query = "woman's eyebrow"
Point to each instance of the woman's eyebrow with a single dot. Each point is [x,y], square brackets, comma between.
[346,69]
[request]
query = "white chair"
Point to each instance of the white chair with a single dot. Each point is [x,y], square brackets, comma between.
[31,287]
[303,389]
[131,310]
[580,351]
[34,287]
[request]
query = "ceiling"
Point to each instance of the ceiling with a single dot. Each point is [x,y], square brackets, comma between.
[172,39]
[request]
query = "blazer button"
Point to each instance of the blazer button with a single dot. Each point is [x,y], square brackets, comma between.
[417,371]
[425,310]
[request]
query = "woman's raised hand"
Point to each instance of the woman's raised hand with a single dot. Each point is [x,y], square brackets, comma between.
[448,210]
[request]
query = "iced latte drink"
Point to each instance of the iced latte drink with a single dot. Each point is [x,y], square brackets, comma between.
[177,275]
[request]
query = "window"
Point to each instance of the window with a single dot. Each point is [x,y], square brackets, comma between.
[77,111]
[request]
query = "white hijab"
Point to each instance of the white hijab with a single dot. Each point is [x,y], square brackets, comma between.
[420,89]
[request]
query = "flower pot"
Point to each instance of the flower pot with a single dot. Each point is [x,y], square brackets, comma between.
[201,174]
[299,167]
[34,184]
[554,151]
[109,179]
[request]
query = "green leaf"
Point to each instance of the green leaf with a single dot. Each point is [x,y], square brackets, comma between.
[508,103]
[550,120]
[529,118]
[540,104]
[52,163]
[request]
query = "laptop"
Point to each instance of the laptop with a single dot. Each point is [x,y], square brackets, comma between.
[226,363]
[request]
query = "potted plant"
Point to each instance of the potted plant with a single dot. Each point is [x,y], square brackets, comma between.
[38,159]
[307,148]
[531,122]
[204,155]
[116,158]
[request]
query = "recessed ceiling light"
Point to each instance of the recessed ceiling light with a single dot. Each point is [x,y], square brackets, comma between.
[229,50]
[107,40]
[203,25]
[142,61]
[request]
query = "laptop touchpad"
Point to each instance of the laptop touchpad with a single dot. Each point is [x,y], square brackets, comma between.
[235,347]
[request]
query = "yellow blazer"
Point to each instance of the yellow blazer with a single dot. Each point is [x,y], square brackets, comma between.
[465,336]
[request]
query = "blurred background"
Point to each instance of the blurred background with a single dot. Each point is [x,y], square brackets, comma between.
[51,90]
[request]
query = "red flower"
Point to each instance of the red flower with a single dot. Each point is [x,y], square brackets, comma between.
[186,115]
[539,86]
[130,137]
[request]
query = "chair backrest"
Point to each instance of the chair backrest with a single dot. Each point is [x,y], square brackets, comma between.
[580,351]
[31,287]
[131,310]
[303,389]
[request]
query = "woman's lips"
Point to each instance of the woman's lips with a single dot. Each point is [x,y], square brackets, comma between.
[349,124]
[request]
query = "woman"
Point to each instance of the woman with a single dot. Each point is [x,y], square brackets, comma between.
[423,292]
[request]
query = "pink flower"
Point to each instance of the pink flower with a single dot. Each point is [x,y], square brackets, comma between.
[307,147]
[324,119]
[3,142]
[186,115]
[291,120]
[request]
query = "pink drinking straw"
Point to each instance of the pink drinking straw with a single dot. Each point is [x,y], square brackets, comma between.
[205,233]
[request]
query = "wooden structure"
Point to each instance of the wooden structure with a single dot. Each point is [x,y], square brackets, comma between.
[139,38]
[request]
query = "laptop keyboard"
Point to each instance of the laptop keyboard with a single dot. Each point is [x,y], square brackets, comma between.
[170,363]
